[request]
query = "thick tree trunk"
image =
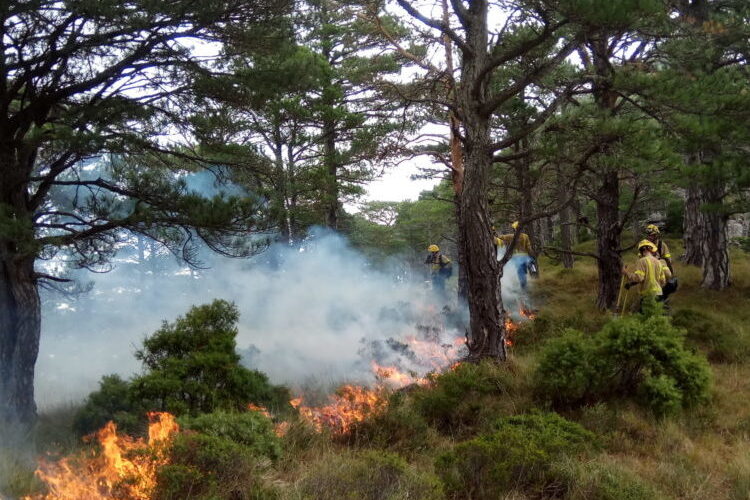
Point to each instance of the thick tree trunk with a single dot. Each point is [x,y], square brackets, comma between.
[609,226]
[692,226]
[20,326]
[714,244]
[487,330]
[608,239]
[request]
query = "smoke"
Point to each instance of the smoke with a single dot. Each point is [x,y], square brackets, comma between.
[304,313]
[320,311]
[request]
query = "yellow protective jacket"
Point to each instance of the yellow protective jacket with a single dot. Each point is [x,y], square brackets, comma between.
[523,245]
[649,274]
[437,262]
[662,249]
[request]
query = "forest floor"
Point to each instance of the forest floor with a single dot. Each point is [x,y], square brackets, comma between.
[437,441]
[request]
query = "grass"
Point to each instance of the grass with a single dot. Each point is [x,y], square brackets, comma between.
[700,454]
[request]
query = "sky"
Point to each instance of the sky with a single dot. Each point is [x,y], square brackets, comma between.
[397,184]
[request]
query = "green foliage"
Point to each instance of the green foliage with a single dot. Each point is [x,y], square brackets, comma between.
[193,367]
[456,399]
[368,475]
[518,453]
[249,429]
[640,357]
[113,401]
[211,467]
[723,341]
[387,228]
[399,428]
[743,243]
[596,480]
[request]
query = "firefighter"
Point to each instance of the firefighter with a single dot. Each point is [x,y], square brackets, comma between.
[441,268]
[522,259]
[650,273]
[662,252]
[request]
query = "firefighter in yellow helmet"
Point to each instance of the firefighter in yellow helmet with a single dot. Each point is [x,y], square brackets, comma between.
[650,274]
[523,258]
[662,252]
[441,268]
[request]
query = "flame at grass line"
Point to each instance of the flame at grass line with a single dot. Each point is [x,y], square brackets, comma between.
[124,467]
[350,404]
[279,428]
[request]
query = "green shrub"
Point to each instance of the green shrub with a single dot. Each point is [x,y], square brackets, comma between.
[113,401]
[249,429]
[640,357]
[455,400]
[206,467]
[192,366]
[722,341]
[399,428]
[368,475]
[518,454]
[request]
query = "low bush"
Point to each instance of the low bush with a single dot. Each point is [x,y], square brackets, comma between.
[209,467]
[249,429]
[456,399]
[399,428]
[113,401]
[722,341]
[368,475]
[639,357]
[518,453]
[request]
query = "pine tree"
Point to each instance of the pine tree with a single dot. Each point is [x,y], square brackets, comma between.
[83,80]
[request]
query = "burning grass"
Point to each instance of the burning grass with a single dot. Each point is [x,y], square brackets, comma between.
[122,467]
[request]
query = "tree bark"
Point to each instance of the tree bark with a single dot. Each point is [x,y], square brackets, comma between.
[566,227]
[692,227]
[714,244]
[609,227]
[20,326]
[457,165]
[608,239]
[487,330]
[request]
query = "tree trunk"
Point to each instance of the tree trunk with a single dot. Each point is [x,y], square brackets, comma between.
[692,227]
[609,226]
[457,165]
[487,330]
[608,239]
[20,326]
[714,248]
[566,228]
[332,186]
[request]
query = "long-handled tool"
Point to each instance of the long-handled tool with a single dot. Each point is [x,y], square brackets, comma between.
[619,295]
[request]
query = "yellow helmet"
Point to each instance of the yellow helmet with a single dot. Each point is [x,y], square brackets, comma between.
[652,229]
[647,244]
[514,225]
[433,248]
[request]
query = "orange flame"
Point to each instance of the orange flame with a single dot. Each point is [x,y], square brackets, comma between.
[124,468]
[351,404]
[395,377]
[510,329]
[279,428]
